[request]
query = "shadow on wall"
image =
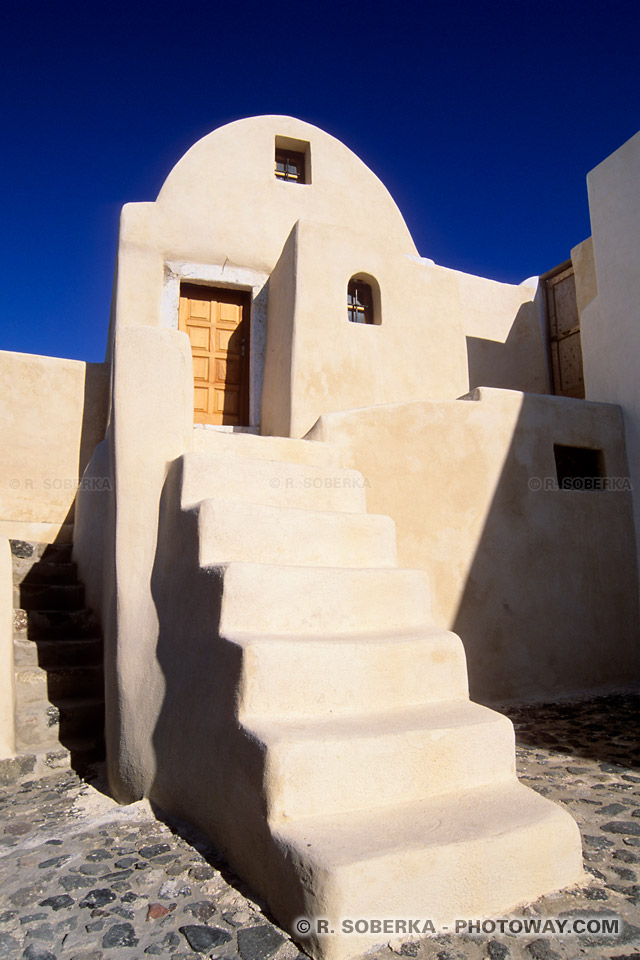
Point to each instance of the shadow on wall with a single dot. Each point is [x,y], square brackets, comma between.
[550,602]
[518,363]
[205,767]
[92,432]
[94,411]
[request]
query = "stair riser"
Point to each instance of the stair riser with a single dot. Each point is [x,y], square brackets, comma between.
[317,600]
[37,685]
[54,625]
[47,597]
[273,483]
[28,554]
[57,653]
[37,730]
[255,534]
[64,574]
[474,878]
[309,778]
[265,448]
[348,676]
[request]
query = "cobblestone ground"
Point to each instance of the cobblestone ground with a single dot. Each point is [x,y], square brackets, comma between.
[84,879]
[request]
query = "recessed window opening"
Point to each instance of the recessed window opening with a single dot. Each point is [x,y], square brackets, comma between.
[579,468]
[363,300]
[292,160]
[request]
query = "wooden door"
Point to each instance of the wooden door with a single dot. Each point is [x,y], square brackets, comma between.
[564,332]
[216,321]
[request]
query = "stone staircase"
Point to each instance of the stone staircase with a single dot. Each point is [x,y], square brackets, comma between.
[58,661]
[359,780]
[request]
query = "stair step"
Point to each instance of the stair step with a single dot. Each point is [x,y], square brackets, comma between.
[24,550]
[257,533]
[80,753]
[349,764]
[54,624]
[57,653]
[47,596]
[45,572]
[246,445]
[346,674]
[36,683]
[458,856]
[275,483]
[274,598]
[43,725]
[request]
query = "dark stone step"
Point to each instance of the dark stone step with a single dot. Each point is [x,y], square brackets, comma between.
[84,651]
[41,725]
[44,572]
[46,596]
[58,683]
[80,718]
[81,753]
[51,552]
[54,624]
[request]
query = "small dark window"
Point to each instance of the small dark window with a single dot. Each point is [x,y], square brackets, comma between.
[290,166]
[359,302]
[579,468]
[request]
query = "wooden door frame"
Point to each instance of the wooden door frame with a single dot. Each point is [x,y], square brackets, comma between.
[253,282]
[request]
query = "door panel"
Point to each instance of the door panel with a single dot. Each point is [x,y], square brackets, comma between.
[216,321]
[564,332]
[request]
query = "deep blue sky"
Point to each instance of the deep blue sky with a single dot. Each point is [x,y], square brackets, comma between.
[483,120]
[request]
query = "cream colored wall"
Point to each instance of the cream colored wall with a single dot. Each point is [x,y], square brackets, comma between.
[505,331]
[610,324]
[539,583]
[222,216]
[7,672]
[584,271]
[223,208]
[317,361]
[52,415]
[151,424]
[222,204]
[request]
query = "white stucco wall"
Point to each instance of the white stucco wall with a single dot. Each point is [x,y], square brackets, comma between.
[223,218]
[539,583]
[150,425]
[611,322]
[438,328]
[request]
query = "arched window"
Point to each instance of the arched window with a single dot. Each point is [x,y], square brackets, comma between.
[363,300]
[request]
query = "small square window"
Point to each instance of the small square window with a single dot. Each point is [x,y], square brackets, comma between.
[290,166]
[292,160]
[579,468]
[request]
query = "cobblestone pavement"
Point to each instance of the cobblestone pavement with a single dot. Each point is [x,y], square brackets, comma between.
[84,879]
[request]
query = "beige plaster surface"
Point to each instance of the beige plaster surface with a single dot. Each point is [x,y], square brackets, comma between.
[336,726]
[584,271]
[7,672]
[52,415]
[196,650]
[539,583]
[439,330]
[222,205]
[151,424]
[610,323]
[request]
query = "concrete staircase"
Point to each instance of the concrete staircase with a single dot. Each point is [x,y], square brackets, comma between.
[58,661]
[360,781]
